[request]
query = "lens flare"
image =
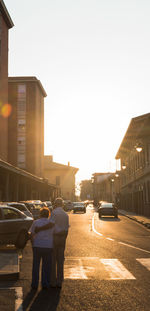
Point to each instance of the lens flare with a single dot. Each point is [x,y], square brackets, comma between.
[6,110]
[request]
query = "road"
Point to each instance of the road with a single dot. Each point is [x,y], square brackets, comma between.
[107,267]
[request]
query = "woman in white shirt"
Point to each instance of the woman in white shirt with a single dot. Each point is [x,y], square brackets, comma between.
[42,244]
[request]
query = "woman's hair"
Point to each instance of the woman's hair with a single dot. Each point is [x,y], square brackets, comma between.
[44,212]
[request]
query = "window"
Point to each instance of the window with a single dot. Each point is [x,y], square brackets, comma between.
[58,180]
[21,105]
[10,214]
[21,125]
[20,207]
[21,140]
[21,158]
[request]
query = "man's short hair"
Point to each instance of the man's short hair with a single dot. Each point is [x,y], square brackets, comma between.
[44,212]
[59,202]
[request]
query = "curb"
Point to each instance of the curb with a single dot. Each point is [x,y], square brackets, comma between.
[147,225]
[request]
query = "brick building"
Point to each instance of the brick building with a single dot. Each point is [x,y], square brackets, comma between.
[26,124]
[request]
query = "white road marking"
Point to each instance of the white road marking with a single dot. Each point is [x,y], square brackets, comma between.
[116,270]
[139,249]
[74,269]
[18,297]
[93,228]
[145,262]
[84,258]
[110,239]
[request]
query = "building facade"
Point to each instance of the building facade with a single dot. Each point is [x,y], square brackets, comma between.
[5,24]
[103,187]
[86,190]
[134,155]
[26,124]
[21,130]
[61,175]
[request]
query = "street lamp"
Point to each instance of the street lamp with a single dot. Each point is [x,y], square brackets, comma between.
[124,166]
[138,147]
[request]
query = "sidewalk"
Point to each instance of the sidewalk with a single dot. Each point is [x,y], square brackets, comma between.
[145,221]
[9,264]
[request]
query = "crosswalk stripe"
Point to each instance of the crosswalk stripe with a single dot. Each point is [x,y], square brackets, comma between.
[145,262]
[74,270]
[104,268]
[116,269]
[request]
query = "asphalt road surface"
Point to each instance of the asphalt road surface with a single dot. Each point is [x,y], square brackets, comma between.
[107,267]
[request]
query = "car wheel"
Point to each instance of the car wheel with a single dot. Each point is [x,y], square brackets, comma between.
[100,215]
[22,239]
[116,216]
[74,212]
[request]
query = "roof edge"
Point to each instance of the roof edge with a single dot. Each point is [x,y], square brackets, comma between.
[28,79]
[6,15]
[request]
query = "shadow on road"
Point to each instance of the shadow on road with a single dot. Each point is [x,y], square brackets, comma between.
[45,300]
[107,218]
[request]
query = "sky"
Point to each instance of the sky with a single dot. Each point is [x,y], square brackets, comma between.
[93,60]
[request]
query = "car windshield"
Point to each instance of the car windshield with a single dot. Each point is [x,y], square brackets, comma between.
[38,206]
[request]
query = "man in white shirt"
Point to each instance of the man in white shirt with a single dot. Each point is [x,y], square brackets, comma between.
[61,227]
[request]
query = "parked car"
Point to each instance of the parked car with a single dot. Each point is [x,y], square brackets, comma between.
[29,205]
[21,207]
[107,209]
[34,206]
[14,226]
[37,205]
[49,205]
[79,207]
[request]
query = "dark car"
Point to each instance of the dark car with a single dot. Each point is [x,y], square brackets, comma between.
[107,209]
[79,207]
[68,205]
[14,226]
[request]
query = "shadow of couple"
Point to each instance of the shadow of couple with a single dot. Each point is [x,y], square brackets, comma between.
[43,300]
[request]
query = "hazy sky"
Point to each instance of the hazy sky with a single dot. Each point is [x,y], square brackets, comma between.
[93,60]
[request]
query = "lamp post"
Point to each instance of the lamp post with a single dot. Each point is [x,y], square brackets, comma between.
[112,189]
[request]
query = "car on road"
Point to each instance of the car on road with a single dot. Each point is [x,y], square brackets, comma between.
[21,207]
[107,209]
[14,226]
[68,205]
[79,207]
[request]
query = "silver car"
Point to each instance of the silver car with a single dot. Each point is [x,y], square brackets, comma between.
[14,226]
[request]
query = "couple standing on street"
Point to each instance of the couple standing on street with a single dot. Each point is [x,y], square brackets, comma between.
[48,237]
